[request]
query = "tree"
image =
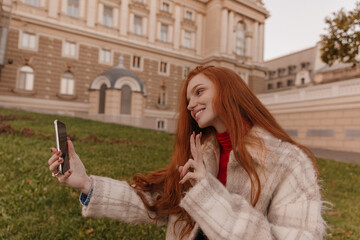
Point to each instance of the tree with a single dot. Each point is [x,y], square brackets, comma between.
[342,41]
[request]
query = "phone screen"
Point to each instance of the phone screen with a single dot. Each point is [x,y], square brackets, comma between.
[61,144]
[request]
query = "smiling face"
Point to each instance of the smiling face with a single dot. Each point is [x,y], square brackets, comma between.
[200,94]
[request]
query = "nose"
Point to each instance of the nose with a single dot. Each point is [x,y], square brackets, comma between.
[191,105]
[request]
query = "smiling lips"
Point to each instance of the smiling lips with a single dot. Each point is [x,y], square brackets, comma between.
[196,113]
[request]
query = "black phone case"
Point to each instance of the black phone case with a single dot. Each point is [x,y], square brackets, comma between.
[63,146]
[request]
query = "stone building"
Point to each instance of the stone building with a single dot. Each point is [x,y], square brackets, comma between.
[124,61]
[317,104]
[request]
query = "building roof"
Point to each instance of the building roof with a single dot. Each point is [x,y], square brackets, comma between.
[120,71]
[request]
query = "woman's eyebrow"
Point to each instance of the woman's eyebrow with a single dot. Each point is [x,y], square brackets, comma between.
[193,89]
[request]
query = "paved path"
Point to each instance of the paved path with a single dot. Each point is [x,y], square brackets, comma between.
[350,157]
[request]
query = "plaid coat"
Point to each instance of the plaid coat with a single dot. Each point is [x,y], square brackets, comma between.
[289,206]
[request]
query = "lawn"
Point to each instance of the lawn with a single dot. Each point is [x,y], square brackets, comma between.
[33,205]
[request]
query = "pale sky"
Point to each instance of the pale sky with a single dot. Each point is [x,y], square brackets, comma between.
[294,25]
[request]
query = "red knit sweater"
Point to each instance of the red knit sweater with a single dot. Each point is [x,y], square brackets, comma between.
[225,143]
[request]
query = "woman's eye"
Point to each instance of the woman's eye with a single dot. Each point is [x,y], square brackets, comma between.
[199,91]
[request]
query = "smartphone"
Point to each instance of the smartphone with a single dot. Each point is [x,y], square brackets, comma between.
[61,145]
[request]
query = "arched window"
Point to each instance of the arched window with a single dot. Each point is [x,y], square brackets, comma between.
[125,100]
[102,98]
[67,84]
[162,96]
[240,39]
[26,78]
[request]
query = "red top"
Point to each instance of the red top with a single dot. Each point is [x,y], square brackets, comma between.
[225,143]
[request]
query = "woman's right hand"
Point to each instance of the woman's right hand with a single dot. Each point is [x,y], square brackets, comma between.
[76,176]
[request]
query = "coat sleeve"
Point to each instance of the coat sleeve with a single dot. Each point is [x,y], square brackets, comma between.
[117,200]
[294,211]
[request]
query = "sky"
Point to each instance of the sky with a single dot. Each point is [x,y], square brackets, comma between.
[295,25]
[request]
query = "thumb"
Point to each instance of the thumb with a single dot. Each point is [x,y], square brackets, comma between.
[71,149]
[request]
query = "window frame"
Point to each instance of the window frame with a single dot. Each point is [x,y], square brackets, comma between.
[105,18]
[164,122]
[72,7]
[68,54]
[26,79]
[67,80]
[138,25]
[167,68]
[102,60]
[21,41]
[33,3]
[139,62]
[164,37]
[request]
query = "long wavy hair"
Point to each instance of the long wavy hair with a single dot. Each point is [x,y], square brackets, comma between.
[233,100]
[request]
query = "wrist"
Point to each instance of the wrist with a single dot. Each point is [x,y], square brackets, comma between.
[87,186]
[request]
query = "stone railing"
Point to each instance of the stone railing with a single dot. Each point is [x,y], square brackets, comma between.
[330,90]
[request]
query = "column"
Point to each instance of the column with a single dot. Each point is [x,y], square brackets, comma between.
[115,17]
[152,21]
[63,6]
[53,8]
[91,12]
[256,42]
[199,23]
[177,35]
[261,43]
[230,47]
[124,17]
[82,9]
[224,29]
[248,47]
[131,23]
[100,13]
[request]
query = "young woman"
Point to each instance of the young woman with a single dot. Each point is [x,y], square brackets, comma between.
[234,173]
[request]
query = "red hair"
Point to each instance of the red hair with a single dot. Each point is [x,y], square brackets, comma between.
[233,100]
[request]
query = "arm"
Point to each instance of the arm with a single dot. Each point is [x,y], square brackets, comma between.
[118,200]
[294,212]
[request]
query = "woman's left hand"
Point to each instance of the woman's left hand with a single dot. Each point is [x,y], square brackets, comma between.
[197,164]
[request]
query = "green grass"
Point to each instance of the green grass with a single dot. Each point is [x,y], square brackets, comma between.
[33,205]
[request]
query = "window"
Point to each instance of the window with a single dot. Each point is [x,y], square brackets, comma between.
[162,96]
[105,56]
[240,40]
[73,8]
[279,84]
[28,40]
[160,124]
[26,78]
[136,63]
[163,67]
[70,49]
[188,15]
[269,86]
[34,3]
[290,83]
[137,25]
[186,71]
[302,81]
[187,39]
[140,1]
[165,7]
[67,84]
[107,16]
[164,32]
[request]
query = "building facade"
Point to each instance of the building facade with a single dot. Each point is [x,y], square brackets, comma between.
[318,105]
[124,61]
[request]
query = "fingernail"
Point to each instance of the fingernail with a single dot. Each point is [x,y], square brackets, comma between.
[58,153]
[60,160]
[67,138]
